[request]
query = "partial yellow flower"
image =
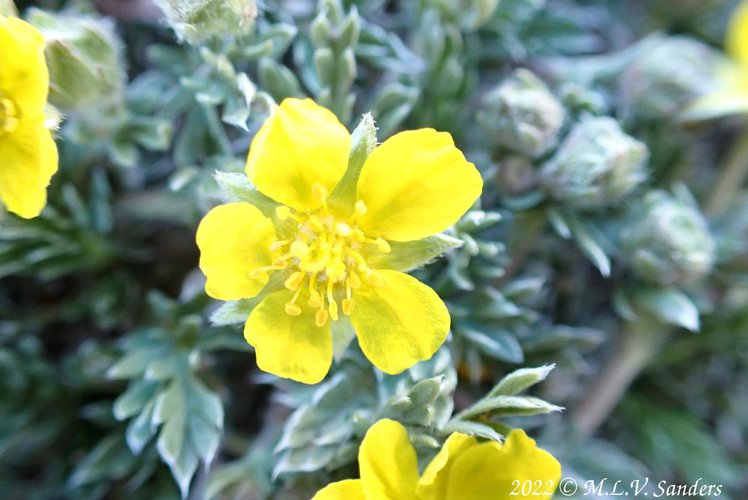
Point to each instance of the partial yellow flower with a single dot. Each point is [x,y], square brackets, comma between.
[732,95]
[464,469]
[28,154]
[320,246]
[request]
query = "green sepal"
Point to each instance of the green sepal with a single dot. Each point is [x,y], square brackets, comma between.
[237,188]
[409,255]
[237,311]
[364,141]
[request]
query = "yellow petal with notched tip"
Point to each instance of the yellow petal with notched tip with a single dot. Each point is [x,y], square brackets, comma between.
[234,241]
[416,184]
[491,471]
[300,145]
[398,322]
[387,460]
[289,346]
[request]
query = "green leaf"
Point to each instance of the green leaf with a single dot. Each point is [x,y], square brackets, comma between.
[426,391]
[192,418]
[589,242]
[492,341]
[670,306]
[506,406]
[409,255]
[521,379]
[134,399]
[472,428]
[237,188]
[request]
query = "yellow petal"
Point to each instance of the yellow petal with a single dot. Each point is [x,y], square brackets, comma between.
[350,489]
[400,322]
[416,184]
[387,460]
[736,39]
[234,241]
[29,159]
[435,479]
[489,471]
[300,145]
[23,73]
[289,346]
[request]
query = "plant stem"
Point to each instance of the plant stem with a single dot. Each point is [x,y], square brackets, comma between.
[732,175]
[639,343]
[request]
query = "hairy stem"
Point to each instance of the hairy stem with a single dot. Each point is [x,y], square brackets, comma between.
[638,344]
[732,175]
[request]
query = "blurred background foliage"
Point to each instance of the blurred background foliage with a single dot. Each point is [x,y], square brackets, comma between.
[610,242]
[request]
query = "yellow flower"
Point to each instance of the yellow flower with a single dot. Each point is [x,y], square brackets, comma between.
[28,154]
[319,246]
[732,94]
[464,469]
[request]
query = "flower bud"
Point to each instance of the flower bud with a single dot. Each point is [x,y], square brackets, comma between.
[84,57]
[516,176]
[8,8]
[667,78]
[596,165]
[195,21]
[522,115]
[666,240]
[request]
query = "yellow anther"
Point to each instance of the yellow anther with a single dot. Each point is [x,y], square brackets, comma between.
[333,307]
[293,309]
[343,229]
[282,212]
[294,281]
[329,252]
[321,317]
[348,305]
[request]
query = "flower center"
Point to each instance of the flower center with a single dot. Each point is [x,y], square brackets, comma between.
[8,115]
[326,257]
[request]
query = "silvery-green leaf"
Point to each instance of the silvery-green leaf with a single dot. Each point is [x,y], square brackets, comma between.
[670,306]
[472,429]
[505,406]
[521,379]
[233,312]
[406,256]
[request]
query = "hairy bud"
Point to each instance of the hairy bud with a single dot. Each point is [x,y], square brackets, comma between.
[668,78]
[195,21]
[667,240]
[84,57]
[522,115]
[596,165]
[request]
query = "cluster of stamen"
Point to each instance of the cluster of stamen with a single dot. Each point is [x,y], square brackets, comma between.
[325,259]
[8,115]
